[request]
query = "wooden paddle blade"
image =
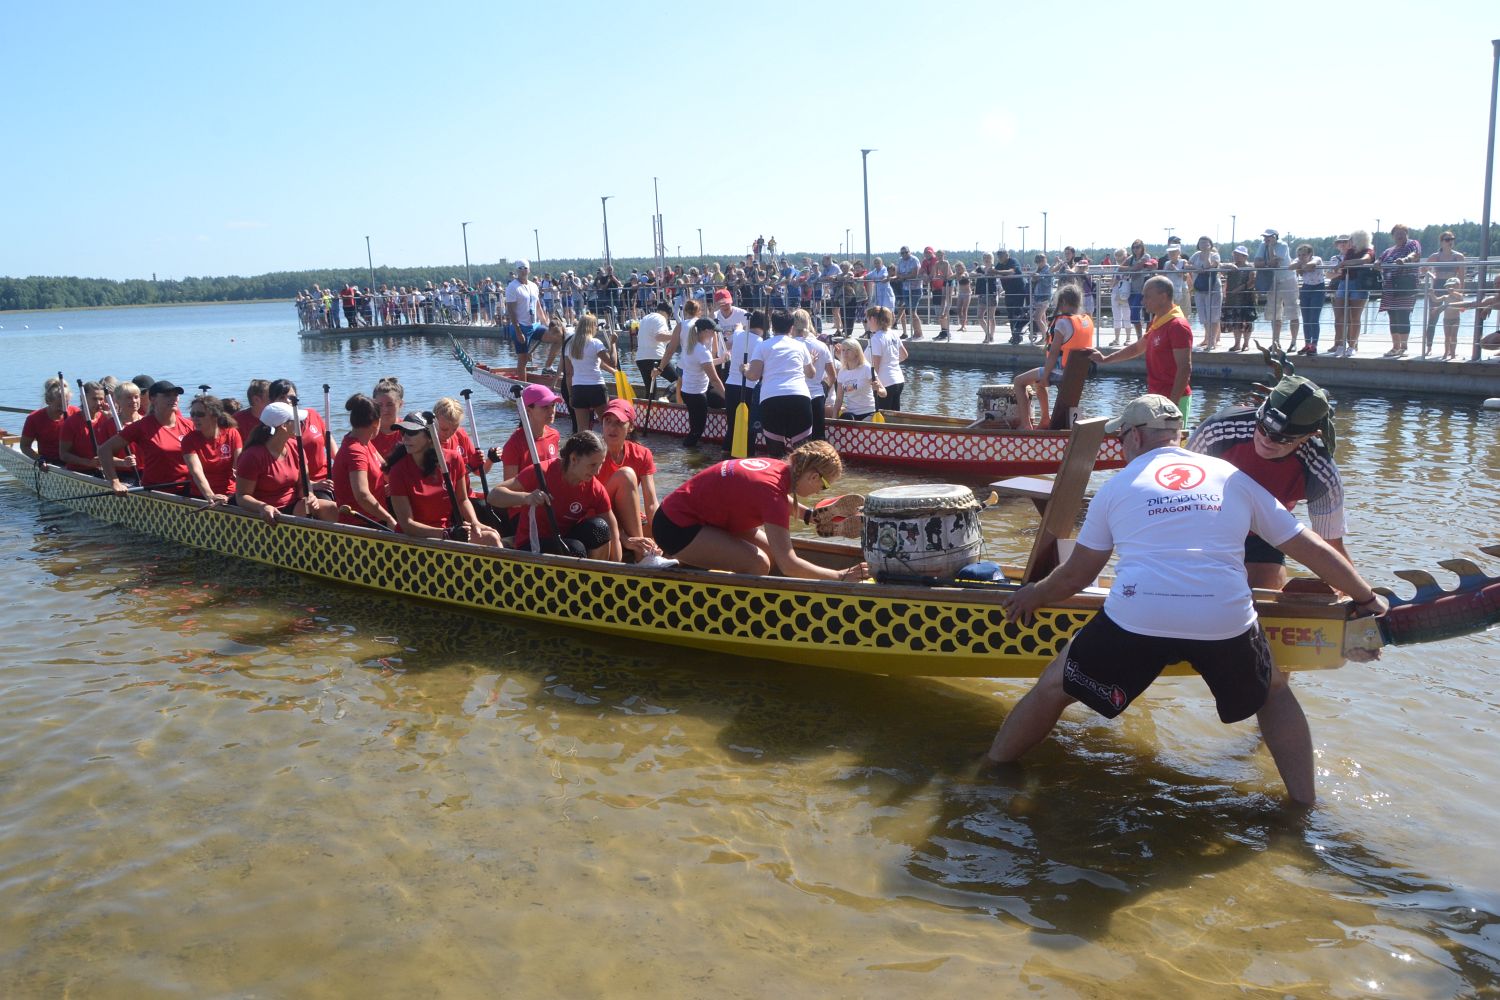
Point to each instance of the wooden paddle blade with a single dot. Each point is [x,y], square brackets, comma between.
[740,446]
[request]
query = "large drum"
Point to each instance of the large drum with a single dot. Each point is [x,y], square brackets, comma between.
[921,530]
[997,404]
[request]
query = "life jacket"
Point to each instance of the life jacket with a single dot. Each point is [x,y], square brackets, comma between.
[1082,339]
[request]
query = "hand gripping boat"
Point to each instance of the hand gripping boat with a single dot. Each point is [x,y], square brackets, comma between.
[907,629]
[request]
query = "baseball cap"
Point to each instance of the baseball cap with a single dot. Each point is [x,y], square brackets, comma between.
[539,395]
[1342,238]
[1294,406]
[1150,410]
[1273,234]
[621,409]
[723,295]
[412,422]
[164,388]
[518,264]
[278,413]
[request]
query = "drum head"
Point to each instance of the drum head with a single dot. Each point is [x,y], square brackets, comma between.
[935,496]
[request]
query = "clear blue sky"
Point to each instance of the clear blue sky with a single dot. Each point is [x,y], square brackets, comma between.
[236,138]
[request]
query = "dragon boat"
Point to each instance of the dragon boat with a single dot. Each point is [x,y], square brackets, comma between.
[943,446]
[951,629]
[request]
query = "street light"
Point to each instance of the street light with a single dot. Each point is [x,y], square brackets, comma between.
[604,208]
[1232,220]
[1489,179]
[848,246]
[538,237]
[1375,241]
[700,242]
[369,258]
[1023,240]
[864,167]
[1169,230]
[1044,232]
[468,278]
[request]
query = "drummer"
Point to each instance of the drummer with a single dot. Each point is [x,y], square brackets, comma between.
[156,440]
[736,515]
[628,474]
[40,433]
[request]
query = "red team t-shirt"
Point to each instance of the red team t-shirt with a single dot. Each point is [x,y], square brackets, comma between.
[737,496]
[514,451]
[426,494]
[216,457]
[75,431]
[570,503]
[636,456]
[245,422]
[313,432]
[46,431]
[277,480]
[356,456]
[159,448]
[386,443]
[1161,366]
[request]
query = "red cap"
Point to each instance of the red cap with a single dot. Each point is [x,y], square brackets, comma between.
[929,250]
[723,295]
[621,409]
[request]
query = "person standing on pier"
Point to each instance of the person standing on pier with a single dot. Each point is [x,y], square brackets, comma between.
[1274,277]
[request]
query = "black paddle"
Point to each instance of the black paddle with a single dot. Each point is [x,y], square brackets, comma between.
[327,428]
[458,530]
[129,489]
[301,456]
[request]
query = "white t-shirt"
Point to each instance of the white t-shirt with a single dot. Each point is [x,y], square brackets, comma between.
[737,318]
[784,361]
[694,378]
[1177,521]
[822,357]
[652,337]
[586,369]
[1313,279]
[885,350]
[525,297]
[858,385]
[741,346]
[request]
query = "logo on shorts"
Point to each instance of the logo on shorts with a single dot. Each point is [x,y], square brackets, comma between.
[1180,475]
[575,508]
[1112,694]
[755,464]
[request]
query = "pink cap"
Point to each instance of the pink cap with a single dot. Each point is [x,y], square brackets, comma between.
[539,395]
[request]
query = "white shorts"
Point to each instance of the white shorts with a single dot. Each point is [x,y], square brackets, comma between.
[1282,302]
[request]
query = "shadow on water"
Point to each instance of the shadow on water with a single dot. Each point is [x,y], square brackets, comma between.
[1089,826]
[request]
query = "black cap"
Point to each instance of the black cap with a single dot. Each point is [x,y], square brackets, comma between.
[164,388]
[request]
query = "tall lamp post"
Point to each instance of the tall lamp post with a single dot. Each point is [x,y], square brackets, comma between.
[604,208]
[1233,220]
[864,167]
[537,236]
[1023,241]
[700,242]
[370,259]
[1489,180]
[1169,230]
[848,246]
[1044,232]
[468,278]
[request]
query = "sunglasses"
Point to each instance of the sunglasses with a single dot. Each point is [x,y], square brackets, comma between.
[1276,437]
[824,480]
[197,415]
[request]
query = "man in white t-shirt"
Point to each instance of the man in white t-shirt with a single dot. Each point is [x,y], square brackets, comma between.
[523,311]
[652,337]
[1179,520]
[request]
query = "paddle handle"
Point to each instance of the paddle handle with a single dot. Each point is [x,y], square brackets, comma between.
[328,428]
[297,443]
[468,395]
[536,462]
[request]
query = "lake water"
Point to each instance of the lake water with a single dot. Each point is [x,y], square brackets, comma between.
[221,780]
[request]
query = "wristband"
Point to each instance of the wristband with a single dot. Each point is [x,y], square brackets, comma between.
[807,515]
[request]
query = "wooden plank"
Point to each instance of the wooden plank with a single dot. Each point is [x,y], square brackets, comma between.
[1070,391]
[1068,490]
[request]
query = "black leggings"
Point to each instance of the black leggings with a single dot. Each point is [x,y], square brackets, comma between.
[697,407]
[1400,321]
[892,399]
[819,405]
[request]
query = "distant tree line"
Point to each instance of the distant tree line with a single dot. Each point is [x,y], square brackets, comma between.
[40,292]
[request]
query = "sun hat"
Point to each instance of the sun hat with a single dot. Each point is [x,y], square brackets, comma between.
[1241,249]
[1271,234]
[1151,410]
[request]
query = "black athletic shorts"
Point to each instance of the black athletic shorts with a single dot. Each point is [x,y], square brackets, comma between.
[671,536]
[587,397]
[1258,550]
[1107,667]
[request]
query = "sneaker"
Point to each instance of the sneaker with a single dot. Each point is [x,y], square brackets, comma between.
[840,517]
[942,335]
[549,371]
[655,561]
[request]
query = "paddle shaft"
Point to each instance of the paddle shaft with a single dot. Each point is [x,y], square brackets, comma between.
[128,489]
[739,446]
[114,415]
[468,395]
[536,463]
[328,427]
[88,416]
[296,442]
[346,509]
[455,512]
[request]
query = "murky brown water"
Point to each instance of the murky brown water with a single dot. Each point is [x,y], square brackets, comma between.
[219,780]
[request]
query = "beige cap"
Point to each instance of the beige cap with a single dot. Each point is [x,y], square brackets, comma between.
[1150,410]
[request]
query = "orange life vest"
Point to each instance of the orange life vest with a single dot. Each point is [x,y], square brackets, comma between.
[1082,339]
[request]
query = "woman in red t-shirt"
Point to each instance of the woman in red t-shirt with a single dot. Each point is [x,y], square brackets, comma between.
[457,445]
[39,435]
[359,467]
[390,396]
[419,498]
[629,471]
[78,441]
[156,442]
[268,475]
[736,515]
[580,504]
[211,449]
